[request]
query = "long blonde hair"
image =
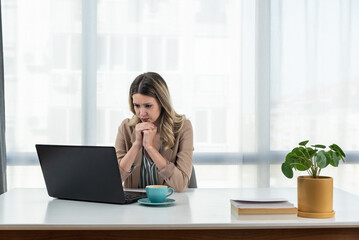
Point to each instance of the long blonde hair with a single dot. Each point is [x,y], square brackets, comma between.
[153,85]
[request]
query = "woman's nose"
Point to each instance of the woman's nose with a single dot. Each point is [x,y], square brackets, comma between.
[143,112]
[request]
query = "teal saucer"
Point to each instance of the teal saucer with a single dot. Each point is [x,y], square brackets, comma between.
[146,201]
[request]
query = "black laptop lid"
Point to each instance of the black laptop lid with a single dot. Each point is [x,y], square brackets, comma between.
[89,173]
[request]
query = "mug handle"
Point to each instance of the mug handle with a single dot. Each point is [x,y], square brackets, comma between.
[170,189]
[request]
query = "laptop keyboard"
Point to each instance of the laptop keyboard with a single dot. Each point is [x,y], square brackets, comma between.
[133,196]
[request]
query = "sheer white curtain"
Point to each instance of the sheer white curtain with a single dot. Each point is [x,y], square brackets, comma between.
[69,65]
[315,74]
[254,77]
[315,79]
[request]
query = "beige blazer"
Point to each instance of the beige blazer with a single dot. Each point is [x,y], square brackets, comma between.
[178,171]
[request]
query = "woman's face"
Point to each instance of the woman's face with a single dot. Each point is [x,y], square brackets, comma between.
[147,108]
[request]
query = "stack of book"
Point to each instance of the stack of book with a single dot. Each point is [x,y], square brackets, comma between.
[263,206]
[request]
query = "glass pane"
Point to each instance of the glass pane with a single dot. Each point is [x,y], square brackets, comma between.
[315,76]
[42,70]
[194,45]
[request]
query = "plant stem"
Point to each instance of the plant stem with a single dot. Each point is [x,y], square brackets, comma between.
[314,170]
[310,172]
[315,165]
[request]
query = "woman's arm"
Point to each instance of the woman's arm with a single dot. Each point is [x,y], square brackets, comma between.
[125,151]
[127,161]
[177,174]
[149,143]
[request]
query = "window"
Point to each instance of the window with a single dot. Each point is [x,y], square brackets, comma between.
[254,77]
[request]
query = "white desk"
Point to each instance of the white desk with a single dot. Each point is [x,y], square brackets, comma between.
[197,212]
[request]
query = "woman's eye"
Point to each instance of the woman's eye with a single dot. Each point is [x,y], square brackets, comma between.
[136,105]
[148,106]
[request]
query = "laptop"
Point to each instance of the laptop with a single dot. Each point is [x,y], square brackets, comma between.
[85,173]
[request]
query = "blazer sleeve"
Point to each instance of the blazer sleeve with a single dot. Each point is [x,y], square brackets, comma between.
[122,145]
[177,174]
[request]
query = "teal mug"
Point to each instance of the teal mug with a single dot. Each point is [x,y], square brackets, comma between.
[158,193]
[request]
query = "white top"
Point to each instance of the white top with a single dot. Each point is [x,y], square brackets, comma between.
[194,209]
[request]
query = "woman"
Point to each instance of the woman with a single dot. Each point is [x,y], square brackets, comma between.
[156,145]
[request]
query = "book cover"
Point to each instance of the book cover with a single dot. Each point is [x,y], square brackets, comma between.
[263,206]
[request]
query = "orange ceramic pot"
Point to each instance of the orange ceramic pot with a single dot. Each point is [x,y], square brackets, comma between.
[315,197]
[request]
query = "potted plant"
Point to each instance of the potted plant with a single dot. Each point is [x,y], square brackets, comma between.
[315,192]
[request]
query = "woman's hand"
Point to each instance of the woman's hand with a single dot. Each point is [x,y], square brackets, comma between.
[144,134]
[148,136]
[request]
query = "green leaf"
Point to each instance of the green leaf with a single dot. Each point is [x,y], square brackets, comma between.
[335,159]
[323,159]
[287,170]
[301,153]
[331,157]
[297,152]
[327,155]
[311,151]
[303,143]
[319,146]
[337,149]
[303,164]
[305,152]
[291,157]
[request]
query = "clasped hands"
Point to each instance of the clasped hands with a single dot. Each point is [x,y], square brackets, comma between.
[145,134]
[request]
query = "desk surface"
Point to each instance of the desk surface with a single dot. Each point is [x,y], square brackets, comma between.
[22,209]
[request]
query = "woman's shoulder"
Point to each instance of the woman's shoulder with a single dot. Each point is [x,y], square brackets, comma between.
[125,124]
[185,135]
[186,125]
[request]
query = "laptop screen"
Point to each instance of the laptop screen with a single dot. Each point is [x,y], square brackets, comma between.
[89,173]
